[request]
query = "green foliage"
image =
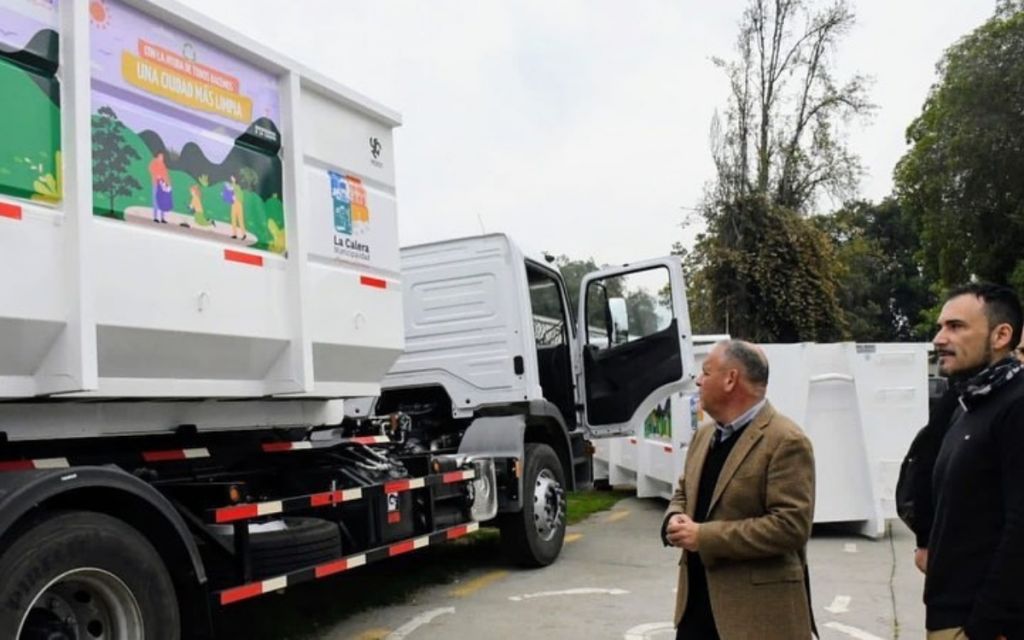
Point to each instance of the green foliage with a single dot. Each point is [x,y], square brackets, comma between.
[49,188]
[881,291]
[112,156]
[30,137]
[961,179]
[766,275]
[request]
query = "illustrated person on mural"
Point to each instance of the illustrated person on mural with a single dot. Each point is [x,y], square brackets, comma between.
[162,199]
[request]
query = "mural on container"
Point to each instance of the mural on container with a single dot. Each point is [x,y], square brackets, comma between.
[30,164]
[658,423]
[184,136]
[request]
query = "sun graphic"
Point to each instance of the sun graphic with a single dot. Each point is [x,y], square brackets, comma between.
[98,13]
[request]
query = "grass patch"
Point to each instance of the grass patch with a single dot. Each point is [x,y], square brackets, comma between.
[585,503]
[312,608]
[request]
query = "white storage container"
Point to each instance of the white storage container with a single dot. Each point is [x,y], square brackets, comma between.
[157,117]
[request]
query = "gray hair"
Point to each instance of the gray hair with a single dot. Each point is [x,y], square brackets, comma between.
[751,362]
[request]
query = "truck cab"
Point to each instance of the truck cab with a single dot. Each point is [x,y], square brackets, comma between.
[500,363]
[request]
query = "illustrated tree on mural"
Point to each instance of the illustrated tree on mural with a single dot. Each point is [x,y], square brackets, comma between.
[248,178]
[111,157]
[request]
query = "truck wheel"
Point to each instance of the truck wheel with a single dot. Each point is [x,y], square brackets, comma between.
[78,574]
[301,543]
[534,536]
[305,543]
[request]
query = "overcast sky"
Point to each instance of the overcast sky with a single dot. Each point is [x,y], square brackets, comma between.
[578,126]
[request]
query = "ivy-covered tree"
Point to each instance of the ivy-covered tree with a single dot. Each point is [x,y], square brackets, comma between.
[112,156]
[762,272]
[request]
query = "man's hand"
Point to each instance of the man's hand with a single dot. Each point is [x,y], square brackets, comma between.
[682,532]
[921,560]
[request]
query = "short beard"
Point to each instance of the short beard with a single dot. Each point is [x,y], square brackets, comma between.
[967,374]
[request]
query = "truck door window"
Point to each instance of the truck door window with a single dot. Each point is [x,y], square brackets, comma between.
[549,324]
[628,307]
[550,327]
[632,342]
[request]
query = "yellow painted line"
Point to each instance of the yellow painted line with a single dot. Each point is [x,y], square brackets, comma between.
[373,634]
[617,515]
[572,537]
[477,584]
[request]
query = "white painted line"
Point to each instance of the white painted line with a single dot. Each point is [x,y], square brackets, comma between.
[583,591]
[853,632]
[417,622]
[648,631]
[840,604]
[850,547]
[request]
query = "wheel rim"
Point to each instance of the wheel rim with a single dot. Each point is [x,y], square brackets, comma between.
[548,505]
[83,604]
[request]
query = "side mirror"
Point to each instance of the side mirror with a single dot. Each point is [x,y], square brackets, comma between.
[618,329]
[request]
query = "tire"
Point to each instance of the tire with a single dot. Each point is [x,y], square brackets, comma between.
[78,574]
[534,536]
[305,543]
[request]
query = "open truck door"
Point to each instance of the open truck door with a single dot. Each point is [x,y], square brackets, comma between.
[636,344]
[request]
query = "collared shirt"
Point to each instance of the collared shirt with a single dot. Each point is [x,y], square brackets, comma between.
[725,431]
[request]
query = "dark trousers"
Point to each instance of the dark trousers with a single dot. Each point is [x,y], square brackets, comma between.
[698,621]
[696,628]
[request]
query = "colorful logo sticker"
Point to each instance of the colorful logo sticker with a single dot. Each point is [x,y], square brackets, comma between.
[351,217]
[342,204]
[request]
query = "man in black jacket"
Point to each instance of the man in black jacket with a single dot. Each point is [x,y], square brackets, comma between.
[974,584]
[925,449]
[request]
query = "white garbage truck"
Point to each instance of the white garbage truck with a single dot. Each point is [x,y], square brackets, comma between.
[202,285]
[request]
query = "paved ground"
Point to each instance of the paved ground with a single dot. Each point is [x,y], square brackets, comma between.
[615,580]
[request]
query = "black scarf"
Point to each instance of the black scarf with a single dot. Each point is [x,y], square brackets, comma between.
[974,391]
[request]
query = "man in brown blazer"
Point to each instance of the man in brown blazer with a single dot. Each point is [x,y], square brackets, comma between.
[743,510]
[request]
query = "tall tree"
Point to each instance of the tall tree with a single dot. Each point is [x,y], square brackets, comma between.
[961,178]
[780,136]
[766,273]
